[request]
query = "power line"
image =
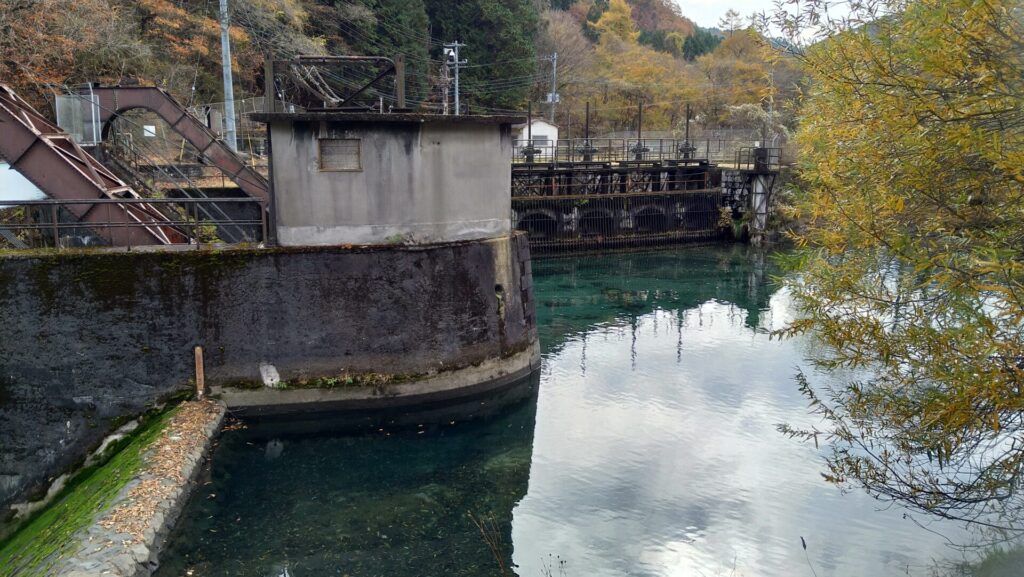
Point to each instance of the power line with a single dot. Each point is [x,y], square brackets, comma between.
[375,43]
[409,35]
[497,62]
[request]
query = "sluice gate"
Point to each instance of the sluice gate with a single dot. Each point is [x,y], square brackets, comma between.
[590,195]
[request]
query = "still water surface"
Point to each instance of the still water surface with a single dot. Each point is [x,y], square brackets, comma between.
[647,448]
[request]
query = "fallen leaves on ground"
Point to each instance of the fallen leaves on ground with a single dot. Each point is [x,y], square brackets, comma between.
[163,469]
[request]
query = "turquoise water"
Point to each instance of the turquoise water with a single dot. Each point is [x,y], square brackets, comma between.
[647,447]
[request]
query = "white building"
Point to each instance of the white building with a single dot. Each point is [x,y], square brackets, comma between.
[543,133]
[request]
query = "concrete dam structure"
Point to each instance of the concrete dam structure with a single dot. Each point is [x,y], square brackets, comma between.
[395,281]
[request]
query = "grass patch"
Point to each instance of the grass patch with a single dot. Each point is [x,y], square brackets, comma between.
[351,380]
[46,538]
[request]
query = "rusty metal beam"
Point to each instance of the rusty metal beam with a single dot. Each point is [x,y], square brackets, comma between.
[115,100]
[394,66]
[50,159]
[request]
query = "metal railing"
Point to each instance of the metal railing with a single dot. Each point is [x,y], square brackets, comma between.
[49,223]
[621,180]
[137,163]
[651,150]
[604,150]
[758,159]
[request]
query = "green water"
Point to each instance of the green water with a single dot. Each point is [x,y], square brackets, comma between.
[648,447]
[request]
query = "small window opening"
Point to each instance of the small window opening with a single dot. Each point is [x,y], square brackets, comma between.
[340,154]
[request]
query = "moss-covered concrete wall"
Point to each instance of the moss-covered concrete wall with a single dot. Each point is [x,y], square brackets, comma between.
[89,338]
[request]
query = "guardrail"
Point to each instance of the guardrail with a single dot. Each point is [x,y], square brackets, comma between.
[629,178]
[49,223]
[603,150]
[651,150]
[758,159]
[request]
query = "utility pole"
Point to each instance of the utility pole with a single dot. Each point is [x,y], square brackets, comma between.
[446,81]
[586,131]
[553,95]
[451,50]
[229,91]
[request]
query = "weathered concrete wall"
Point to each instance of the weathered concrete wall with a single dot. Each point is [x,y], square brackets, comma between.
[434,181]
[90,337]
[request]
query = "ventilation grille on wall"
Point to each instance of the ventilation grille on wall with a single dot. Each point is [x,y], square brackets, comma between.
[339,154]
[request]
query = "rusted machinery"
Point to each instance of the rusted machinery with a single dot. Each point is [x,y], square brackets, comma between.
[590,194]
[308,82]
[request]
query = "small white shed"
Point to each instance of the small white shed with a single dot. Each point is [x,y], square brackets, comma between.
[543,133]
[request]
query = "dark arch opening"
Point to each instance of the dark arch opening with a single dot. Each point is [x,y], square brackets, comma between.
[697,214]
[597,222]
[538,225]
[650,219]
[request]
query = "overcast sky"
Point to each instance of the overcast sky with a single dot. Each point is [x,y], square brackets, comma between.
[706,13]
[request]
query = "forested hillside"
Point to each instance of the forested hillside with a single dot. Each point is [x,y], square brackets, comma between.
[613,53]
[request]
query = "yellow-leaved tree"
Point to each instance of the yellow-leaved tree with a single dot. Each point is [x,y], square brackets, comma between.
[912,151]
[631,74]
[617,22]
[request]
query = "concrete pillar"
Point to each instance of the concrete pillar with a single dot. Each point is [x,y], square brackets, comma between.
[760,188]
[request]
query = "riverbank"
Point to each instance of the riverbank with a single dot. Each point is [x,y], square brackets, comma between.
[111,520]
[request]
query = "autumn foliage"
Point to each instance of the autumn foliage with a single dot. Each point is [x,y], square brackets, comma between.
[912,147]
[615,54]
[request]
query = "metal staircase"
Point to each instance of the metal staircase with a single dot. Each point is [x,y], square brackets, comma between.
[124,156]
[111,101]
[50,159]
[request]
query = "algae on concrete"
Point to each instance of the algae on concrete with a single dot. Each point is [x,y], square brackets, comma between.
[48,536]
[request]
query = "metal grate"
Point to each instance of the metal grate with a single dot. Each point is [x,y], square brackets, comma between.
[340,154]
[596,206]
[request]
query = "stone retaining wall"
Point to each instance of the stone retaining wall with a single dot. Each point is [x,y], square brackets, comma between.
[92,338]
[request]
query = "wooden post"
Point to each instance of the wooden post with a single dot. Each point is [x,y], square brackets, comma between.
[200,376]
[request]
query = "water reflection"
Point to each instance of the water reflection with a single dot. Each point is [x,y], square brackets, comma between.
[650,449]
[656,452]
[339,495]
[581,294]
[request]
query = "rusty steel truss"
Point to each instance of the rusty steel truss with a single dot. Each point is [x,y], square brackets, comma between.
[51,160]
[115,100]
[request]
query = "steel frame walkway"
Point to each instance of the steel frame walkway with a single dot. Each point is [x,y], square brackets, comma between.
[50,159]
[115,100]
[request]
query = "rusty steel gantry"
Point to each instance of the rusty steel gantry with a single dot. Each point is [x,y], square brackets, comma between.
[115,100]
